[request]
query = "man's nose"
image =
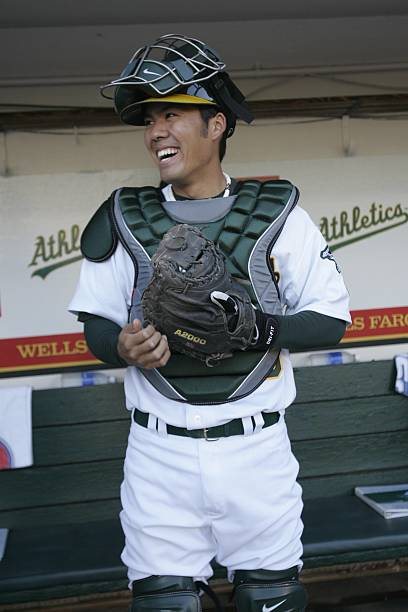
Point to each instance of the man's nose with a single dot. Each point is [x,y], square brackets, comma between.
[159,129]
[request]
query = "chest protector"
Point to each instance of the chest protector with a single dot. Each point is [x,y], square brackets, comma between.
[245,227]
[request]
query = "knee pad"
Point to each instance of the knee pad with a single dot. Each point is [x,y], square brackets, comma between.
[159,593]
[269,591]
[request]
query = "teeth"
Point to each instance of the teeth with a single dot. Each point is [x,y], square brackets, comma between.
[166,152]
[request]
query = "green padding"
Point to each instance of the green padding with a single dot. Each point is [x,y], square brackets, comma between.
[208,385]
[145,216]
[99,240]
[180,365]
[256,206]
[206,390]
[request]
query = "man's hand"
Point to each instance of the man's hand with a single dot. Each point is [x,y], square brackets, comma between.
[143,347]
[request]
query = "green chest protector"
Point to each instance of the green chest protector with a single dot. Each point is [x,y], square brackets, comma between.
[245,226]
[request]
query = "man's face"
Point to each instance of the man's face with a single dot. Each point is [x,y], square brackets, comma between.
[178,142]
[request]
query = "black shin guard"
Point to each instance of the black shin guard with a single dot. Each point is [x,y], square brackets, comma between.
[269,591]
[157,593]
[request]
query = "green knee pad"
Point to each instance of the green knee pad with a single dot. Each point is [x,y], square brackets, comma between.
[158,593]
[269,591]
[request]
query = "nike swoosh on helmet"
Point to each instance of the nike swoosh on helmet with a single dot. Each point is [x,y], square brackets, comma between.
[147,71]
[266,609]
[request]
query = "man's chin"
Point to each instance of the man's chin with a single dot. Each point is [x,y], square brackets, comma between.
[166,176]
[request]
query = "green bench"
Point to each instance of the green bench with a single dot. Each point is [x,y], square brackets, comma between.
[348,428]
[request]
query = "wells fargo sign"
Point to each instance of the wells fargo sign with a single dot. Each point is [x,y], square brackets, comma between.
[44,353]
[378,325]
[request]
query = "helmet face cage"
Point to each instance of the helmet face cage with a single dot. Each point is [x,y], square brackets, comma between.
[176,64]
[171,62]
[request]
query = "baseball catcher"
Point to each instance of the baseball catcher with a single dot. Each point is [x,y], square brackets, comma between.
[209,472]
[193,300]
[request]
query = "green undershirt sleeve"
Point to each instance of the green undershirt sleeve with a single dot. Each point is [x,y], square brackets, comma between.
[102,337]
[307,330]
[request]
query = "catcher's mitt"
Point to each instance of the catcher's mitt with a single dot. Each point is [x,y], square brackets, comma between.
[193,299]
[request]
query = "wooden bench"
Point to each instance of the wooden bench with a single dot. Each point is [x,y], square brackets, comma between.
[348,428]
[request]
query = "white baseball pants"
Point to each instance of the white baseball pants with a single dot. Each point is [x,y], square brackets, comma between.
[187,501]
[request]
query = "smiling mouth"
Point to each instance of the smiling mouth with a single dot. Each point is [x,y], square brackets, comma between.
[166,154]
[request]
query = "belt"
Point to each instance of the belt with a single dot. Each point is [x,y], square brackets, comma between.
[232,428]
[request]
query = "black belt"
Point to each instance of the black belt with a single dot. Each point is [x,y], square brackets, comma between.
[232,428]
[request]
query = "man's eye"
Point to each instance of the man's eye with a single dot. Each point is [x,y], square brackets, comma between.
[170,114]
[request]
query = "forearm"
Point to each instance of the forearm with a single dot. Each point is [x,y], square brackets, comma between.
[102,338]
[308,329]
[302,331]
[130,345]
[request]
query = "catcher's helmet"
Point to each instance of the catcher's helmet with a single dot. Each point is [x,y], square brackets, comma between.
[180,70]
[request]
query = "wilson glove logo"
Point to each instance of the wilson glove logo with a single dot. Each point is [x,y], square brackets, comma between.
[191,337]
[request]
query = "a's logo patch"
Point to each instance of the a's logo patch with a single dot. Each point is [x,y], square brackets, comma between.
[327,254]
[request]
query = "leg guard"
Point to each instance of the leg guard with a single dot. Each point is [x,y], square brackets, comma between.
[267,591]
[158,593]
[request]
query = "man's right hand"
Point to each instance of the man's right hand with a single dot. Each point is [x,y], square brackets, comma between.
[143,347]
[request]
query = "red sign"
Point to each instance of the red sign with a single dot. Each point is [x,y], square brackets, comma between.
[5,456]
[44,352]
[376,325]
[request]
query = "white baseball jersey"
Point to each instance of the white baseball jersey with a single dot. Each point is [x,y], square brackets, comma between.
[309,279]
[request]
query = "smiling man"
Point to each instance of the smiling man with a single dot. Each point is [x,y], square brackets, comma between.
[209,473]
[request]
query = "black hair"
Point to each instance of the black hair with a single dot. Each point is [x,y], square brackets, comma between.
[207,112]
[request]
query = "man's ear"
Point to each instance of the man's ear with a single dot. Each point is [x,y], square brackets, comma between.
[218,125]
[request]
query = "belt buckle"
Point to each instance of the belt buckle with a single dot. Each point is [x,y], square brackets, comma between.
[205,430]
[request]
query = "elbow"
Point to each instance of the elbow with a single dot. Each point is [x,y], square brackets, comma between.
[338,331]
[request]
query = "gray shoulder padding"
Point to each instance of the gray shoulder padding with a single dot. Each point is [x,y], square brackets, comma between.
[99,238]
